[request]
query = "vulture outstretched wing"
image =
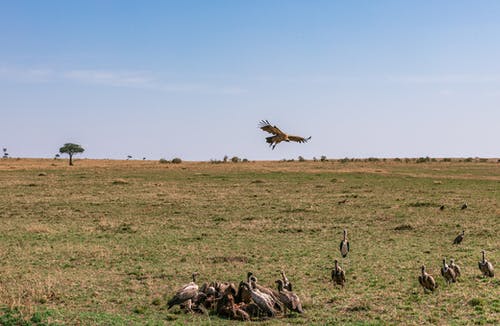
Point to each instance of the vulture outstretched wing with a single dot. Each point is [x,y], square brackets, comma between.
[299,139]
[266,126]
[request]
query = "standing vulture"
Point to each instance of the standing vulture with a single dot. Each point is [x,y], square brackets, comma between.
[338,274]
[344,245]
[289,299]
[455,268]
[279,135]
[486,267]
[185,294]
[448,273]
[427,281]
[459,238]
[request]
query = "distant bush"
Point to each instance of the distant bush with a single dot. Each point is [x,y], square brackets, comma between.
[372,159]
[423,159]
[344,160]
[301,159]
[235,159]
[215,161]
[175,160]
[469,159]
[397,159]
[323,158]
[446,159]
[245,160]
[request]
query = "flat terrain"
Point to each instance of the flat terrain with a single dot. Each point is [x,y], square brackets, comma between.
[108,242]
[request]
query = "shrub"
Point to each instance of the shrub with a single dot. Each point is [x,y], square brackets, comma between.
[423,159]
[163,161]
[176,160]
[301,159]
[245,160]
[323,158]
[235,159]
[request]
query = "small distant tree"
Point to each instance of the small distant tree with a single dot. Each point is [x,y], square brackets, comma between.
[129,157]
[225,158]
[235,159]
[57,156]
[176,160]
[5,154]
[301,159]
[323,158]
[71,149]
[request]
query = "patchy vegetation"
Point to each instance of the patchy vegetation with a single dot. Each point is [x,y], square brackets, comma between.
[108,242]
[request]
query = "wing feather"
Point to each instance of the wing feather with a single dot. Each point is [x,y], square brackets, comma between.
[266,126]
[299,139]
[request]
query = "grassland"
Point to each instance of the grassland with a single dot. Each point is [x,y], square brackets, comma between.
[108,242]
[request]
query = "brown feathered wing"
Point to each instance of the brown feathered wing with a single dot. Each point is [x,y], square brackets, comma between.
[266,126]
[299,139]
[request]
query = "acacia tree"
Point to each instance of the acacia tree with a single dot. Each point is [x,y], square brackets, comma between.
[71,149]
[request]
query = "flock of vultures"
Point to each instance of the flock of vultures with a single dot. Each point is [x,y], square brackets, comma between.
[243,302]
[251,300]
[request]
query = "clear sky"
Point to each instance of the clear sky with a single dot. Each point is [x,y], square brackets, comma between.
[192,79]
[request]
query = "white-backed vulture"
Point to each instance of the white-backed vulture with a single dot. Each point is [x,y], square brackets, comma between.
[279,135]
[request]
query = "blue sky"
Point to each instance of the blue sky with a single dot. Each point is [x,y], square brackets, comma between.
[192,79]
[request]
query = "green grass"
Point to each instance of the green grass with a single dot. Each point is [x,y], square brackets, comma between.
[109,242]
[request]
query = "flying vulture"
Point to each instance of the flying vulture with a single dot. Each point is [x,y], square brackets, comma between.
[279,135]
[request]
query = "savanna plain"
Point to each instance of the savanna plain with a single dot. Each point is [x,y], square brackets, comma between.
[109,242]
